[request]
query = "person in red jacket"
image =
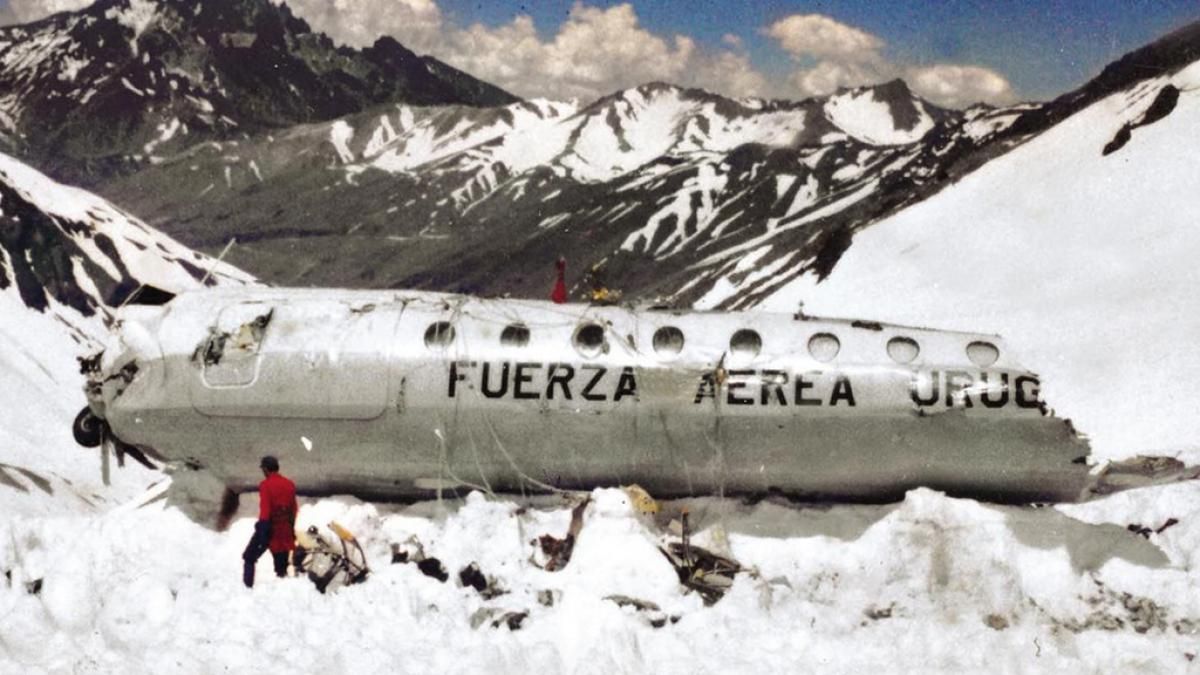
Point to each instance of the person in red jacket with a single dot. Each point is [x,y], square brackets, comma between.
[275,529]
[559,294]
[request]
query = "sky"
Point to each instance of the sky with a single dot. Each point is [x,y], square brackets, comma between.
[952,52]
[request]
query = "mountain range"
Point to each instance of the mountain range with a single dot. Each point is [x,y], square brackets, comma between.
[661,192]
[380,168]
[108,88]
[353,168]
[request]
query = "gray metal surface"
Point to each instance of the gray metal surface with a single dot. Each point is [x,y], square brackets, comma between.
[346,389]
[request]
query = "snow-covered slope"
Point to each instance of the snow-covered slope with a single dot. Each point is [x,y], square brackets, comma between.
[885,115]
[67,256]
[1080,249]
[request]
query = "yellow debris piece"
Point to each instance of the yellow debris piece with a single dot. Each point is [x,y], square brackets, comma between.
[341,532]
[641,500]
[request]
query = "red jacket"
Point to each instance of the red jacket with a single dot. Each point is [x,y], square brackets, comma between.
[559,294]
[277,505]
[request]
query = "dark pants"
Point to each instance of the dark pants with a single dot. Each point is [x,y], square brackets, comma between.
[254,550]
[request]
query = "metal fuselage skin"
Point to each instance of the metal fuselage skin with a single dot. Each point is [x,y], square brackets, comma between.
[395,394]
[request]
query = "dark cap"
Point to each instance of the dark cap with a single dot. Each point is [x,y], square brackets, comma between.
[269,463]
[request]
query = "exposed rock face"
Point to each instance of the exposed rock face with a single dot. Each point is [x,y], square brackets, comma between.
[62,247]
[113,86]
[378,168]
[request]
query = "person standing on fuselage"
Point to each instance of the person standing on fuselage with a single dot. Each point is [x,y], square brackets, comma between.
[275,529]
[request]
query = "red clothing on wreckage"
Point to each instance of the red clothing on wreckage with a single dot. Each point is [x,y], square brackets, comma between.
[559,294]
[277,505]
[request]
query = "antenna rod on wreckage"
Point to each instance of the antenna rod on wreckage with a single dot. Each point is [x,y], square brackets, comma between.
[213,266]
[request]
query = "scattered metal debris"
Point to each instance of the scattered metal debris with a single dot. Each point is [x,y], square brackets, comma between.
[411,551]
[1138,528]
[703,571]
[1137,472]
[548,597]
[471,576]
[876,613]
[432,567]
[557,552]
[498,617]
[1118,610]
[995,622]
[650,611]
[331,566]
[487,586]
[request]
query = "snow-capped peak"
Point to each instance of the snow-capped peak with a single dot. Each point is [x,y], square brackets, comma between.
[886,114]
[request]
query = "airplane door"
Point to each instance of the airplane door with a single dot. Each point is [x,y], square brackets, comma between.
[301,358]
[231,355]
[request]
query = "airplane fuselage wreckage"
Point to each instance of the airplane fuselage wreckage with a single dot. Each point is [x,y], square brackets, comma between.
[391,394]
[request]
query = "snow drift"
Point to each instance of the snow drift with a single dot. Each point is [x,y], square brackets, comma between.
[929,584]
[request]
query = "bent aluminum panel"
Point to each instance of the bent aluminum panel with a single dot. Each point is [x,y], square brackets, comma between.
[232,354]
[315,359]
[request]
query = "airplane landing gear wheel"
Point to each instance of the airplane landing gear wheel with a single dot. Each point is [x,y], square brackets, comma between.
[88,429]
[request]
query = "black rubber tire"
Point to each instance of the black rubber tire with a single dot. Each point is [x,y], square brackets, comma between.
[88,429]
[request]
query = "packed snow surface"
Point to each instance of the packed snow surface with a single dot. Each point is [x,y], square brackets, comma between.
[931,584]
[1085,263]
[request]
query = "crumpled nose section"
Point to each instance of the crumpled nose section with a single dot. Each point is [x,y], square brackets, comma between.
[131,347]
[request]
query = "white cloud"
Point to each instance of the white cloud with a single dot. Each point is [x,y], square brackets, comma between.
[958,86]
[829,76]
[846,56]
[417,24]
[597,51]
[594,52]
[32,10]
[728,73]
[817,35]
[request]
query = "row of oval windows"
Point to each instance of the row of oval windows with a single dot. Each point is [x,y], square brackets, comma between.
[745,343]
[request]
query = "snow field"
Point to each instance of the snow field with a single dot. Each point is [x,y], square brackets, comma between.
[42,470]
[1084,263]
[932,584]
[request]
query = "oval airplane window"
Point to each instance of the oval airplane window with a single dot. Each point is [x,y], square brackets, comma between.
[745,344]
[824,347]
[668,341]
[902,349]
[439,335]
[982,354]
[514,335]
[589,339]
